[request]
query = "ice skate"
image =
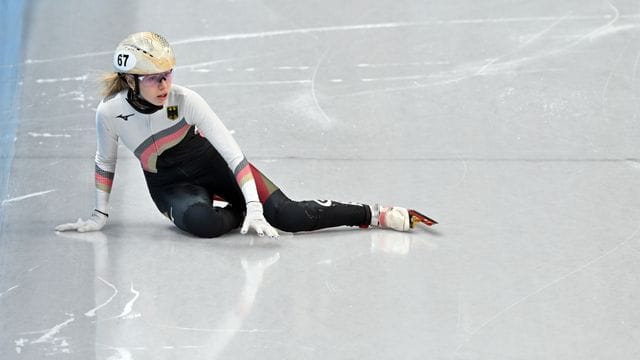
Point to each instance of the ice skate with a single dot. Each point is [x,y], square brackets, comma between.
[398,218]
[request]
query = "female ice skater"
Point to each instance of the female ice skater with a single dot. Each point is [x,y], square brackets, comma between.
[189,158]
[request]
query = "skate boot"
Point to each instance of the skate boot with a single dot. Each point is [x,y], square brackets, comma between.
[391,217]
[397,218]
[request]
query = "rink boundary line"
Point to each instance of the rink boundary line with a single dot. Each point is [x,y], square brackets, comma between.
[10,78]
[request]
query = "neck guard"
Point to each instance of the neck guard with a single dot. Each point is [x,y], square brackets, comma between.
[140,104]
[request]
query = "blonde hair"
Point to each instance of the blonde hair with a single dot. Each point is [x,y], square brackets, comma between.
[113,83]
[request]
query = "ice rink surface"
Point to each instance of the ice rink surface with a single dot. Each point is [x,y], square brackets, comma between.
[513,123]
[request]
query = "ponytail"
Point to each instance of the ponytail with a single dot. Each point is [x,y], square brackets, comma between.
[113,83]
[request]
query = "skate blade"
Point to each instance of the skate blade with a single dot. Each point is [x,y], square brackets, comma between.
[417,217]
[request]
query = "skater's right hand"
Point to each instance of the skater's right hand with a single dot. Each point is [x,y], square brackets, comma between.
[94,223]
[255,219]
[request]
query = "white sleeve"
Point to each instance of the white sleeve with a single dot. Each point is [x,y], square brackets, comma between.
[105,161]
[207,122]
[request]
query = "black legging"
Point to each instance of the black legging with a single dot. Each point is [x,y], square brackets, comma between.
[185,194]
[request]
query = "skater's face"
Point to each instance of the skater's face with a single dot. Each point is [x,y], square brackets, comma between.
[155,87]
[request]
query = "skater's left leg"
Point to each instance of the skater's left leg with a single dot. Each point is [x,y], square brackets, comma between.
[293,216]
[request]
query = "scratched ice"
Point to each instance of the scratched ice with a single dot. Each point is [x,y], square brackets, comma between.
[515,125]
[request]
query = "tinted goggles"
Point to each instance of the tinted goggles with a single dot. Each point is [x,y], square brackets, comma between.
[154,79]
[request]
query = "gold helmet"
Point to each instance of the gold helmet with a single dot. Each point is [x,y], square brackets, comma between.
[143,53]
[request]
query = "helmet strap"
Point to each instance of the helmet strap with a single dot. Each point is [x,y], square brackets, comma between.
[137,87]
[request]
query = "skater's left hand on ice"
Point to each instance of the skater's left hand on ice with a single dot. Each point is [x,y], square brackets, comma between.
[255,219]
[94,223]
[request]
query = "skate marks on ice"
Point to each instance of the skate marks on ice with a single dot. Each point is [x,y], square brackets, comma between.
[471,333]
[374,26]
[507,63]
[27,196]
[231,324]
[92,312]
[48,337]
[609,28]
[328,121]
[454,71]
[6,292]
[18,283]
[54,341]
[53,344]
[113,320]
[553,45]
[128,308]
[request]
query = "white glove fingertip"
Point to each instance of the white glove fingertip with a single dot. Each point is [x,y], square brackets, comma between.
[264,229]
[273,232]
[65,227]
